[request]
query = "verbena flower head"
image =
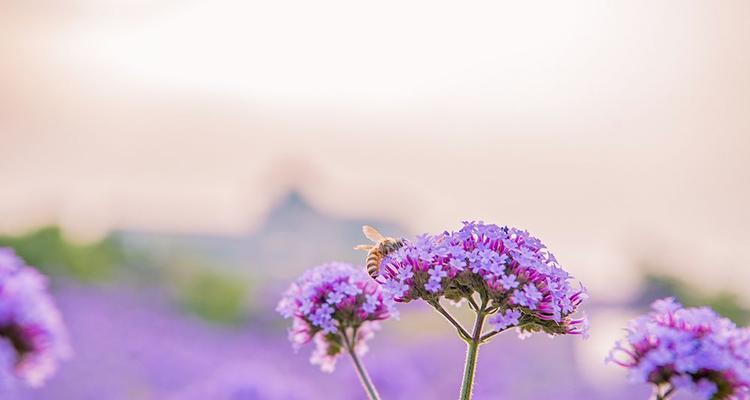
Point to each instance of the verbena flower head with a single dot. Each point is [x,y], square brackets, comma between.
[330,301]
[520,277]
[29,321]
[694,349]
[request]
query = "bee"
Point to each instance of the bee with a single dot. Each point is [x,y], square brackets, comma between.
[375,253]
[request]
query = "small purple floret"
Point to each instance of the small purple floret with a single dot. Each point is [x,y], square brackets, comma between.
[502,321]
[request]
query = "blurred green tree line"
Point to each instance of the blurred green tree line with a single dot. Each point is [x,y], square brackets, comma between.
[200,288]
[724,302]
[48,250]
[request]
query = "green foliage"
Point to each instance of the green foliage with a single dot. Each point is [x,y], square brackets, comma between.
[725,303]
[49,251]
[214,296]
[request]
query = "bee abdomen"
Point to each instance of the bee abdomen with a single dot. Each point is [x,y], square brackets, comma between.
[391,245]
[373,263]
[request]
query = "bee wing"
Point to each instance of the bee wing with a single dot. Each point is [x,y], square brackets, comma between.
[372,234]
[365,247]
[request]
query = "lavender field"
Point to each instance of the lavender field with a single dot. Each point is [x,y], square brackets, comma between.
[134,345]
[137,338]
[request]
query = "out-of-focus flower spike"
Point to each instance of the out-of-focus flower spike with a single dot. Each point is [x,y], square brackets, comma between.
[691,349]
[30,323]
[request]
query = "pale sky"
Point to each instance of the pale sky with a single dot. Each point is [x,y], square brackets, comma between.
[612,130]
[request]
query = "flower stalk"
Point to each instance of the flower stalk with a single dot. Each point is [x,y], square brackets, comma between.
[460,329]
[364,377]
[472,352]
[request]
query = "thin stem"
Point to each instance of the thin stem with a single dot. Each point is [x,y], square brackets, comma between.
[657,393]
[364,377]
[472,353]
[461,331]
[473,304]
[667,394]
[490,335]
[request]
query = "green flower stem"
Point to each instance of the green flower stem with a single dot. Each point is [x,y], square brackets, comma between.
[471,355]
[372,393]
[490,335]
[364,377]
[472,303]
[471,362]
[461,331]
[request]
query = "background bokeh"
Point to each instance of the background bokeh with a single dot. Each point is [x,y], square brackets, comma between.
[172,165]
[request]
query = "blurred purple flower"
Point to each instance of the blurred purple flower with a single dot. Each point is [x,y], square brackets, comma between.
[30,323]
[511,268]
[327,303]
[694,349]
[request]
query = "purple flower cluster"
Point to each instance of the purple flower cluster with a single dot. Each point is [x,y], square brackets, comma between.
[30,324]
[688,348]
[516,273]
[331,304]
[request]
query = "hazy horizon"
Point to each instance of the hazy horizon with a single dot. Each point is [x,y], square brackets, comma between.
[612,133]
